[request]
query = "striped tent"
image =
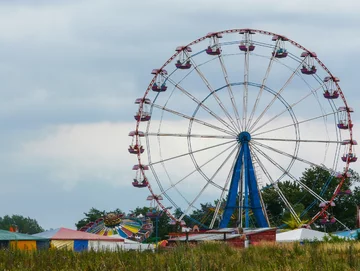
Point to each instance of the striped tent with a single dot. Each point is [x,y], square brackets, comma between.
[64,238]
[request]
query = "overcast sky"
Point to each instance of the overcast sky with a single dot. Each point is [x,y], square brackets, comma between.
[70,71]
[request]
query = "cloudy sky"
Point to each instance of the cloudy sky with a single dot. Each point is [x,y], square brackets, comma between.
[70,71]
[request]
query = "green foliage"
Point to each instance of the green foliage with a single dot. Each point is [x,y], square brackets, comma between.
[24,224]
[92,215]
[315,178]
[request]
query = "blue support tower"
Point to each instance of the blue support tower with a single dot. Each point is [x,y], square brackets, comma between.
[251,192]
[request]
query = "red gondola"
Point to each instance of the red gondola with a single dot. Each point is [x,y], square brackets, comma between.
[214,46]
[183,66]
[135,149]
[305,70]
[159,85]
[331,95]
[159,88]
[350,157]
[213,51]
[138,184]
[244,48]
[153,212]
[344,126]
[280,53]
[309,62]
[144,116]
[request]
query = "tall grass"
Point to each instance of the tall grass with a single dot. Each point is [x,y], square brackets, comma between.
[207,256]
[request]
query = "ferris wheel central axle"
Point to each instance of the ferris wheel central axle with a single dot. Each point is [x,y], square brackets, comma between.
[243,137]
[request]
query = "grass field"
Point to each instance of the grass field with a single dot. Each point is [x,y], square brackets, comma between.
[209,256]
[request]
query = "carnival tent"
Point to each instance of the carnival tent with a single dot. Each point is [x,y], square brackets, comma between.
[299,235]
[22,241]
[79,241]
[352,234]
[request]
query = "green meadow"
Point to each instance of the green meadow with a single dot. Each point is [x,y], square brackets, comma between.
[207,256]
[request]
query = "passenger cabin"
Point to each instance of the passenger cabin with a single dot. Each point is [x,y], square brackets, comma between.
[138,184]
[153,213]
[309,68]
[159,85]
[135,149]
[159,88]
[214,47]
[331,88]
[183,63]
[142,117]
[279,50]
[349,157]
[306,70]
[244,48]
[280,53]
[344,125]
[213,51]
[246,44]
[183,66]
[331,94]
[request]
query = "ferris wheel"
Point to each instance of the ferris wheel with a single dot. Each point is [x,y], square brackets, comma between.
[232,113]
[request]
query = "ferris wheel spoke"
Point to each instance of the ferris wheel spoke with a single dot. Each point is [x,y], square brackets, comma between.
[207,184]
[246,88]
[291,156]
[298,140]
[285,172]
[200,104]
[261,89]
[191,135]
[196,170]
[287,109]
[185,154]
[276,187]
[292,124]
[214,94]
[276,96]
[232,98]
[195,119]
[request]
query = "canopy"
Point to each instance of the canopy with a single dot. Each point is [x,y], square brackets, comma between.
[348,234]
[15,236]
[69,234]
[300,235]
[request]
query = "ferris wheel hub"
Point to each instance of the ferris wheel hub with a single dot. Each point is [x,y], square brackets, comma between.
[243,137]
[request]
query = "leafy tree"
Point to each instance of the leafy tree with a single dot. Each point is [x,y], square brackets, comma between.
[316,179]
[23,224]
[92,215]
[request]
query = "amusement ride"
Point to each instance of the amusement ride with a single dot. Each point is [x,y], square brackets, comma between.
[233,113]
